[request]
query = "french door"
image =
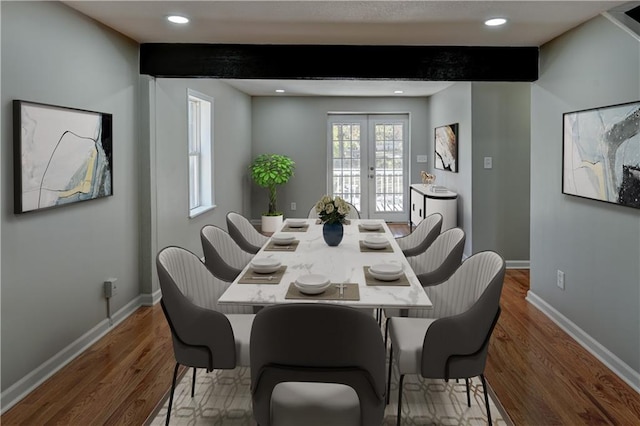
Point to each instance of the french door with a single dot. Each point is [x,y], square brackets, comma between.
[368,163]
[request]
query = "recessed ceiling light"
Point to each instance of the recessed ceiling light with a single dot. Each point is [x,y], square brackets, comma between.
[495,22]
[177,19]
[279,90]
[398,92]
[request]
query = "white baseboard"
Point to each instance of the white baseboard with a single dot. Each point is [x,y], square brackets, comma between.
[615,364]
[518,264]
[510,264]
[28,383]
[150,299]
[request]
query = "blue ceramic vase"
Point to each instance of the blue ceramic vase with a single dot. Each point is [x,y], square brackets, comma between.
[332,233]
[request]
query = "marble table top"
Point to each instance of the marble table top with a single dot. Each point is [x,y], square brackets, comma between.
[341,264]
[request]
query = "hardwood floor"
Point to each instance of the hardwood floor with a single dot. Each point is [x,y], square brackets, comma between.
[540,375]
[544,377]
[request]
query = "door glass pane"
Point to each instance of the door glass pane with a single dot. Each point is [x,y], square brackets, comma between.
[389,191]
[346,162]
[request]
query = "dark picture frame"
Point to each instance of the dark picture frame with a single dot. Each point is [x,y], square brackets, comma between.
[61,155]
[445,141]
[601,154]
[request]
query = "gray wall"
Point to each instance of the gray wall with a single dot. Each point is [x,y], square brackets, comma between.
[596,244]
[453,105]
[54,262]
[231,155]
[501,130]
[493,205]
[297,127]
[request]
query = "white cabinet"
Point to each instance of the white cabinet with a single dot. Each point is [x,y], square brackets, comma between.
[424,202]
[416,200]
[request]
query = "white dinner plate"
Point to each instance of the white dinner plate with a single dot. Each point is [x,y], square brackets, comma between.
[296,223]
[282,239]
[386,277]
[370,225]
[386,268]
[265,266]
[312,283]
[376,241]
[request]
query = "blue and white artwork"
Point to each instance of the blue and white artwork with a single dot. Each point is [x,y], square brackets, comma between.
[601,158]
[62,155]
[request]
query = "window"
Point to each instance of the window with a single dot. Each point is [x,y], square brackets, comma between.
[200,113]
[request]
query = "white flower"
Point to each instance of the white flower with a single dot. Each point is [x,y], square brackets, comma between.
[332,209]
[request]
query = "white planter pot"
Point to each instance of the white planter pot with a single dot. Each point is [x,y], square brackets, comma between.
[271,223]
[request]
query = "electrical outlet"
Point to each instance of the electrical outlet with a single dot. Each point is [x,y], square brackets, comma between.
[293,206]
[488,162]
[560,281]
[110,287]
[421,159]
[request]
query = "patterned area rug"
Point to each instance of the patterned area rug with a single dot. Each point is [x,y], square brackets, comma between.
[222,398]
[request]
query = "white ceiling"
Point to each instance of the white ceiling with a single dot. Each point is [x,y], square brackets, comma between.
[455,23]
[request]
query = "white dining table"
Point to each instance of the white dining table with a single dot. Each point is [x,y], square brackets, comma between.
[344,263]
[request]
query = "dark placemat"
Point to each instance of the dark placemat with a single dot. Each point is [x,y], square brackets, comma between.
[288,228]
[370,280]
[274,247]
[371,231]
[346,222]
[251,277]
[351,292]
[364,248]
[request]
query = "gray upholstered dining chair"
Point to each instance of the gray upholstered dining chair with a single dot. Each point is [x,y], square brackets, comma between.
[432,267]
[205,334]
[317,364]
[422,236]
[441,259]
[222,255]
[244,233]
[454,344]
[353,212]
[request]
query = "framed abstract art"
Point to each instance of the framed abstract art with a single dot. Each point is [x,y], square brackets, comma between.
[601,154]
[61,156]
[446,147]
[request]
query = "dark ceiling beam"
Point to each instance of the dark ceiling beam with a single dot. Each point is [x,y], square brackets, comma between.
[431,63]
[634,13]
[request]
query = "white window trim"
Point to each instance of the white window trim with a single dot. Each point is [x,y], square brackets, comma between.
[207,199]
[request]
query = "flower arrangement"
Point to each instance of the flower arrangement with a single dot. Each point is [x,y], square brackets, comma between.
[332,210]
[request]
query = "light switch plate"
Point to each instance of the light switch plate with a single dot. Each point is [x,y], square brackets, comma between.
[488,162]
[422,159]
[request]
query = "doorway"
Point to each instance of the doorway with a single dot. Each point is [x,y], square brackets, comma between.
[368,163]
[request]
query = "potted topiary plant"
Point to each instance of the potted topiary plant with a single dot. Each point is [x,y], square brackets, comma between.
[269,171]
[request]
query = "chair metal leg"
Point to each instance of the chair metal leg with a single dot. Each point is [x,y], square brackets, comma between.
[389,376]
[400,398]
[193,383]
[486,398]
[173,387]
[466,381]
[386,331]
